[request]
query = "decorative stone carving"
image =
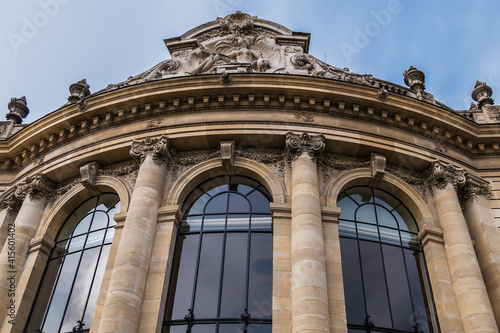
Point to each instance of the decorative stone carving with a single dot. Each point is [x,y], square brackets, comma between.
[88,173]
[415,79]
[272,158]
[35,187]
[159,148]
[155,122]
[440,174]
[306,117]
[78,91]
[382,94]
[9,201]
[303,61]
[329,163]
[183,161]
[482,94]
[225,79]
[128,169]
[297,144]
[18,110]
[227,156]
[474,187]
[377,167]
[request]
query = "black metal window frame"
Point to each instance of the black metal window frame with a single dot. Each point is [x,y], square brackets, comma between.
[62,249]
[245,319]
[415,246]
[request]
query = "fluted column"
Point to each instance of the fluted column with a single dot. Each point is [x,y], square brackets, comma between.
[122,307]
[473,302]
[484,232]
[33,193]
[309,287]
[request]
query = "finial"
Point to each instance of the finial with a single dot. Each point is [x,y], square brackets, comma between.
[78,91]
[18,110]
[415,79]
[482,94]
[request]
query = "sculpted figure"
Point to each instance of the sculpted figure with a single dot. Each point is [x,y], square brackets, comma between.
[210,59]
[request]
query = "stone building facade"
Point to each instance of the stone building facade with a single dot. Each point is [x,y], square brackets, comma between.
[245,186]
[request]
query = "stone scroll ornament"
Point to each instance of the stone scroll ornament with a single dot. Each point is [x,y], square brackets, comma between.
[35,187]
[440,174]
[297,144]
[159,148]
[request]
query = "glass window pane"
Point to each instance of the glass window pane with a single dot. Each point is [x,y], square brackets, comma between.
[214,222]
[367,231]
[68,227]
[399,293]
[259,328]
[217,205]
[238,204]
[215,185]
[209,271]
[238,221]
[385,218]
[77,243]
[353,286]
[260,204]
[196,203]
[175,329]
[360,194]
[347,229]
[107,201]
[96,286]
[385,199]
[235,268]
[81,289]
[348,207]
[203,328]
[192,223]
[410,240]
[183,276]
[414,262]
[261,222]
[86,207]
[83,226]
[95,238]
[405,219]
[61,293]
[231,328]
[261,276]
[377,304]
[390,236]
[112,212]
[110,232]
[366,213]
[100,221]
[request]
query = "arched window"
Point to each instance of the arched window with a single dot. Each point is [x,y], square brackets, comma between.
[222,271]
[68,294]
[385,283]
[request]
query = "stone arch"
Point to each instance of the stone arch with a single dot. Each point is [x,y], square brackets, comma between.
[61,209]
[405,192]
[189,179]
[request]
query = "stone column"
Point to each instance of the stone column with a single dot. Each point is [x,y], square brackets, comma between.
[484,232]
[309,288]
[472,298]
[122,308]
[33,194]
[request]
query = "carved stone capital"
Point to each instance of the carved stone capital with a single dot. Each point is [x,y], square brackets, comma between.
[88,174]
[441,173]
[35,187]
[227,156]
[159,148]
[474,187]
[377,167]
[298,144]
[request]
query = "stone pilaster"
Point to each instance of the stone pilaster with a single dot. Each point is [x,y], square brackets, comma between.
[33,192]
[468,284]
[484,233]
[336,299]
[309,286]
[123,304]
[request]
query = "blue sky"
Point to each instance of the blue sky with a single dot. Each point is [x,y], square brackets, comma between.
[46,45]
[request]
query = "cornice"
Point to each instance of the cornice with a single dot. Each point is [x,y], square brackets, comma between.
[305,97]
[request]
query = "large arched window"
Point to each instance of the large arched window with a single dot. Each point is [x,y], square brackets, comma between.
[385,282]
[68,294]
[222,275]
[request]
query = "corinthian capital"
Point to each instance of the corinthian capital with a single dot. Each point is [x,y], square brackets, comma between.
[474,187]
[440,174]
[35,187]
[159,148]
[298,144]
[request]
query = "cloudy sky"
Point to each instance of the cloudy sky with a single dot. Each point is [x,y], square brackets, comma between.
[46,45]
